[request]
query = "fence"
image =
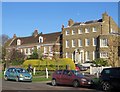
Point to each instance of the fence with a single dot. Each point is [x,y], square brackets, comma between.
[97,70]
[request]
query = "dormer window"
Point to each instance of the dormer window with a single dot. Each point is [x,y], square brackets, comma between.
[40,39]
[18,42]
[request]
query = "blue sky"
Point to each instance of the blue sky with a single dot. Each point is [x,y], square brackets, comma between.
[22,18]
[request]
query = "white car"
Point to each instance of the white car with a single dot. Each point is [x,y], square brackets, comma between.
[87,64]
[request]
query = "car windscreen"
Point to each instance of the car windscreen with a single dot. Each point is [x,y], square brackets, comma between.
[21,70]
[77,73]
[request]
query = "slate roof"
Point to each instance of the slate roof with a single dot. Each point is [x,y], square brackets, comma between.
[87,22]
[47,38]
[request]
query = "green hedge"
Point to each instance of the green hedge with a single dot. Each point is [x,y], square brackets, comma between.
[50,64]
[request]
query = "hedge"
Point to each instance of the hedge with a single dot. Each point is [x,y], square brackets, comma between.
[50,64]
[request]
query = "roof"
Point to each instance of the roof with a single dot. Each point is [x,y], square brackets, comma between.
[47,38]
[87,22]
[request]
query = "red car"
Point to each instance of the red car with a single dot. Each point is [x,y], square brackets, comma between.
[70,77]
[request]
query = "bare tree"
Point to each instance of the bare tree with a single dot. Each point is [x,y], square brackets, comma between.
[4,38]
[113,51]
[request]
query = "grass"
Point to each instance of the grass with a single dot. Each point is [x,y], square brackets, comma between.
[39,79]
[0,74]
[96,81]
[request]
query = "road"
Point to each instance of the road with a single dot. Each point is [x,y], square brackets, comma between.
[40,86]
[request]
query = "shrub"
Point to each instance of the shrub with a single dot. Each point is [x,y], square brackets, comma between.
[34,55]
[50,64]
[100,62]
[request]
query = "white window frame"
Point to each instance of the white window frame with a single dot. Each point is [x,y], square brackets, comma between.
[103,54]
[79,43]
[66,55]
[111,30]
[40,39]
[73,32]
[50,49]
[102,43]
[79,31]
[94,29]
[86,42]
[21,50]
[87,30]
[93,55]
[94,41]
[45,49]
[87,54]
[67,44]
[18,42]
[67,32]
[73,43]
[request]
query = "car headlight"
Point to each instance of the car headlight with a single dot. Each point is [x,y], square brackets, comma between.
[21,75]
[83,79]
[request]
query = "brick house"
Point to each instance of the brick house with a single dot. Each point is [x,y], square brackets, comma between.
[80,41]
[48,44]
[86,41]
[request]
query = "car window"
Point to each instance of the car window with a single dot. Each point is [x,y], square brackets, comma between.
[66,72]
[21,70]
[77,73]
[115,72]
[11,70]
[59,72]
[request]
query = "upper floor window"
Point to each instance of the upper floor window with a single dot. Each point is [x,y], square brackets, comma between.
[94,41]
[18,42]
[87,30]
[79,31]
[87,42]
[67,44]
[73,32]
[67,32]
[103,42]
[79,42]
[40,39]
[73,43]
[94,29]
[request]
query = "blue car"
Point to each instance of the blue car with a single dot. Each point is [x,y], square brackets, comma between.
[18,74]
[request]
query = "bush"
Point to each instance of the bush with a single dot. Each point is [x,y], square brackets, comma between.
[34,55]
[50,64]
[100,62]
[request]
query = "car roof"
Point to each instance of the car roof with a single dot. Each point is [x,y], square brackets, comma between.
[111,68]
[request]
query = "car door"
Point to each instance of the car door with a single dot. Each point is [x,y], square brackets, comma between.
[13,73]
[115,77]
[66,77]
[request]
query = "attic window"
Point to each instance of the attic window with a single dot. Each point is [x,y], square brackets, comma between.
[18,42]
[40,39]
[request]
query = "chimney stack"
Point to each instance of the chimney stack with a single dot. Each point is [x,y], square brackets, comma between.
[14,36]
[70,22]
[35,33]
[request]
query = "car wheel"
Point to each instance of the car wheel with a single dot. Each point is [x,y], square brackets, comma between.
[106,86]
[54,82]
[17,79]
[75,83]
[5,78]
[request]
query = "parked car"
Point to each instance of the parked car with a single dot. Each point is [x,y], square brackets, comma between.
[87,64]
[80,67]
[110,78]
[70,77]
[18,74]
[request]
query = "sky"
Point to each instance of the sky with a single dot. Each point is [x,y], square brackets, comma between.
[22,18]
